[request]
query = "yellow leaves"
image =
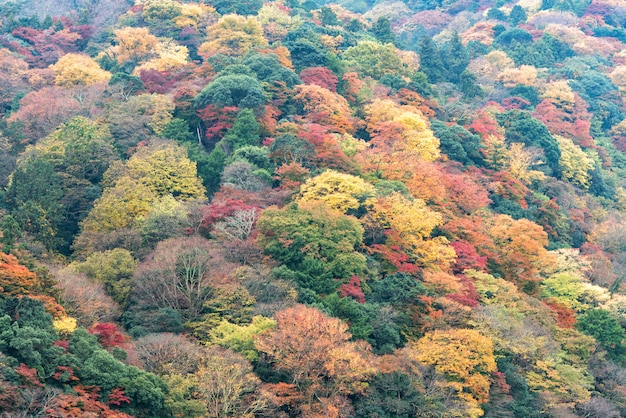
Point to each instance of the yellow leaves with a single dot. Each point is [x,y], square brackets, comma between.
[77,69]
[65,325]
[417,138]
[499,60]
[160,108]
[525,75]
[159,171]
[412,219]
[575,164]
[513,158]
[339,191]
[520,162]
[165,169]
[565,383]
[134,44]
[191,14]
[119,207]
[561,94]
[465,357]
[233,35]
[170,56]
[410,223]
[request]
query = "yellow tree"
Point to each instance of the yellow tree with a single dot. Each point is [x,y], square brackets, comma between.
[576,165]
[166,170]
[403,128]
[408,225]
[120,206]
[134,44]
[339,191]
[524,75]
[466,358]
[233,35]
[78,69]
[520,164]
[170,55]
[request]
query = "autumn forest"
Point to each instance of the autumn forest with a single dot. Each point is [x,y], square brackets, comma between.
[306,208]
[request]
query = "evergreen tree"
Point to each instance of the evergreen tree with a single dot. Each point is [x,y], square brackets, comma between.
[430,61]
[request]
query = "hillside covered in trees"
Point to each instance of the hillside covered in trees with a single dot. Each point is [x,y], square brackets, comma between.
[216,208]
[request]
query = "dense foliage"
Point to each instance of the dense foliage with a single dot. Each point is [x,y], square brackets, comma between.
[313,209]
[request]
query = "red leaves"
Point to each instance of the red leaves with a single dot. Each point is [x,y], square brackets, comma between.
[117,397]
[217,121]
[469,295]
[394,255]
[86,403]
[320,76]
[28,376]
[565,317]
[353,290]
[108,335]
[467,257]
[65,374]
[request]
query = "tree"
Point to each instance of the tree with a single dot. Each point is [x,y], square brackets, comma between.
[232,90]
[607,331]
[320,76]
[134,45]
[325,107]
[241,7]
[114,269]
[466,358]
[430,61]
[226,384]
[316,244]
[576,165]
[77,69]
[245,132]
[34,195]
[84,299]
[375,60]
[233,35]
[179,275]
[407,224]
[521,247]
[517,15]
[342,192]
[316,353]
[15,279]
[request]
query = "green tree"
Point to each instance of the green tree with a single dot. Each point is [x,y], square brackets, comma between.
[517,15]
[382,31]
[113,268]
[244,132]
[454,58]
[232,90]
[607,331]
[430,61]
[33,196]
[316,245]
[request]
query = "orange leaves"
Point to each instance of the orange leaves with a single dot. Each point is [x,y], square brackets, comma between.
[325,107]
[521,246]
[316,351]
[15,279]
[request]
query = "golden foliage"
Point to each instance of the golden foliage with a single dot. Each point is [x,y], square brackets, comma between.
[78,69]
